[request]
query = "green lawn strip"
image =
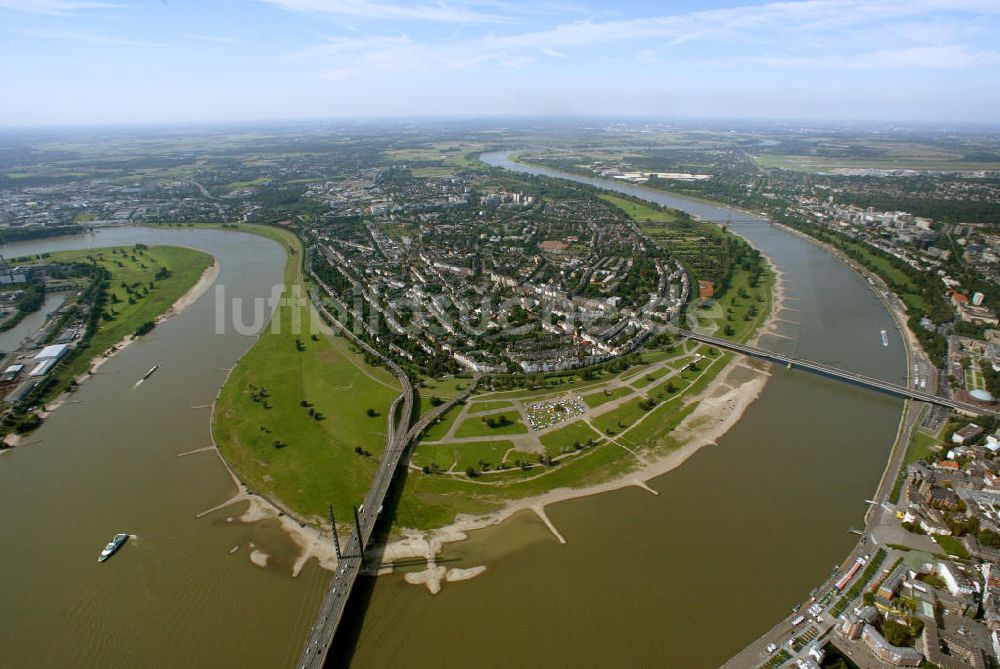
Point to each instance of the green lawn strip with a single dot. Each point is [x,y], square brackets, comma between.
[711,367]
[562,440]
[921,446]
[571,383]
[604,396]
[594,465]
[952,546]
[653,431]
[678,383]
[482,407]
[477,427]
[444,388]
[437,430]
[595,386]
[620,418]
[746,314]
[185,265]
[643,380]
[468,454]
[431,501]
[654,355]
[434,500]
[680,363]
[284,451]
[914,302]
[640,211]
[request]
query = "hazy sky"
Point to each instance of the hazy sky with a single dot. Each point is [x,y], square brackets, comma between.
[139,61]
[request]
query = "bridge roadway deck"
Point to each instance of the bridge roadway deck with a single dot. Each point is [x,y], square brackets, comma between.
[398,438]
[828,370]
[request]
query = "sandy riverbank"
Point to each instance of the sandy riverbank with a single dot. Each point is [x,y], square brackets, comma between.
[312,542]
[200,287]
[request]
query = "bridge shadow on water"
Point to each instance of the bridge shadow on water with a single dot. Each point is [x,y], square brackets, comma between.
[345,642]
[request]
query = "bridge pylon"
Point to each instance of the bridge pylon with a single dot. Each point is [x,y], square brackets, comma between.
[336,539]
[357,533]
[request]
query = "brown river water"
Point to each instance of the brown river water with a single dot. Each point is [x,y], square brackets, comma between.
[737,535]
[173,596]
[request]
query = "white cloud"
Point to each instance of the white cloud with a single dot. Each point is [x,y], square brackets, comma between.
[822,34]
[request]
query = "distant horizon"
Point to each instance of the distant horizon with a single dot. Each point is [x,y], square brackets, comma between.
[122,62]
[681,123]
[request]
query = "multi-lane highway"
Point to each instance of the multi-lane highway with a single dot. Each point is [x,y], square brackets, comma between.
[399,435]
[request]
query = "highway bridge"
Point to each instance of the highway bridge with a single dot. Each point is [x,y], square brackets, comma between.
[399,435]
[837,373]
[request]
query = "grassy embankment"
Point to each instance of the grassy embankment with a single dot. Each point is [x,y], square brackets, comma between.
[922,445]
[305,456]
[433,499]
[905,287]
[640,211]
[138,291]
[136,268]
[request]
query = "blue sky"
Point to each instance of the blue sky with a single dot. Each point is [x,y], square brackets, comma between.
[153,61]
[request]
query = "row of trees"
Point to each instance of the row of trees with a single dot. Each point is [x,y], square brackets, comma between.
[21,417]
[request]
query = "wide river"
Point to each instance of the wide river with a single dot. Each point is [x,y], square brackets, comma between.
[737,535]
[108,462]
